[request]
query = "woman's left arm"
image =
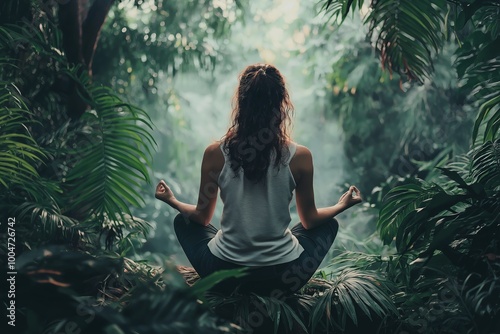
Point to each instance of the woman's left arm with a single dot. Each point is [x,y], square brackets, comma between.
[203,211]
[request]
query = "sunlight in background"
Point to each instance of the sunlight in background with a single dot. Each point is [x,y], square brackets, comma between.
[225,5]
[288,10]
[278,40]
[198,103]
[270,37]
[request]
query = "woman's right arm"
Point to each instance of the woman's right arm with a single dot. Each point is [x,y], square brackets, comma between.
[311,216]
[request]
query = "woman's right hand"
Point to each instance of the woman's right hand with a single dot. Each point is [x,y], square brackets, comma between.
[163,192]
[350,197]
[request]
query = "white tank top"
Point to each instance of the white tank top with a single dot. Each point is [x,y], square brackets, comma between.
[255,217]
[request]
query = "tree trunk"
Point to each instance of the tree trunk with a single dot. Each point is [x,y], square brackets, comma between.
[81,30]
[70,25]
[91,29]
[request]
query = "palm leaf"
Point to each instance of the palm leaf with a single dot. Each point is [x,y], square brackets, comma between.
[18,150]
[482,297]
[340,8]
[489,110]
[438,217]
[478,64]
[423,220]
[408,34]
[400,202]
[486,164]
[349,292]
[281,313]
[55,224]
[115,154]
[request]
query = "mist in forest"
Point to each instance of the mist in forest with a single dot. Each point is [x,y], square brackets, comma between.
[202,108]
[99,100]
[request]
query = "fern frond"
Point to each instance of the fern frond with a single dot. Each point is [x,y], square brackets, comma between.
[400,202]
[18,150]
[408,34]
[486,164]
[340,8]
[112,163]
[349,293]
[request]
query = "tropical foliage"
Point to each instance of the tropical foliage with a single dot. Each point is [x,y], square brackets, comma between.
[442,216]
[344,300]
[70,149]
[73,291]
[70,179]
[75,153]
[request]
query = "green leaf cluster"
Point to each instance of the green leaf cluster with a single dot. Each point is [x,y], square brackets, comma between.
[444,221]
[66,179]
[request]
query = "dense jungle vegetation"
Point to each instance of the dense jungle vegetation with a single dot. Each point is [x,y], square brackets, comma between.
[101,98]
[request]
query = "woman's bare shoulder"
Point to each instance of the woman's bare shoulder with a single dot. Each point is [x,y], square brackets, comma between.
[213,154]
[301,160]
[302,152]
[214,147]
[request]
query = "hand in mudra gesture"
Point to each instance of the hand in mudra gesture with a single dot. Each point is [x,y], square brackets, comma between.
[350,197]
[163,192]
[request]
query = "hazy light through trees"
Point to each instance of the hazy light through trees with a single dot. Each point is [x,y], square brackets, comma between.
[272,33]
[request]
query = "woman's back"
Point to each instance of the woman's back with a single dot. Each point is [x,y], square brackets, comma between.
[255,218]
[257,173]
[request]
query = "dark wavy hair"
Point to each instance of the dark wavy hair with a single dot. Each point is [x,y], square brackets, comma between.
[261,116]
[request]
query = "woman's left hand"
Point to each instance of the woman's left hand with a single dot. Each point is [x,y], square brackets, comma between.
[163,192]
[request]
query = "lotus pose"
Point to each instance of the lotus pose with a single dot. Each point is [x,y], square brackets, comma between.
[257,167]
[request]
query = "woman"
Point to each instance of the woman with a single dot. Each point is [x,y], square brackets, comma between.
[257,167]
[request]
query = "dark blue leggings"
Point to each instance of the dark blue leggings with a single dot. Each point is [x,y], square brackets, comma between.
[271,280]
